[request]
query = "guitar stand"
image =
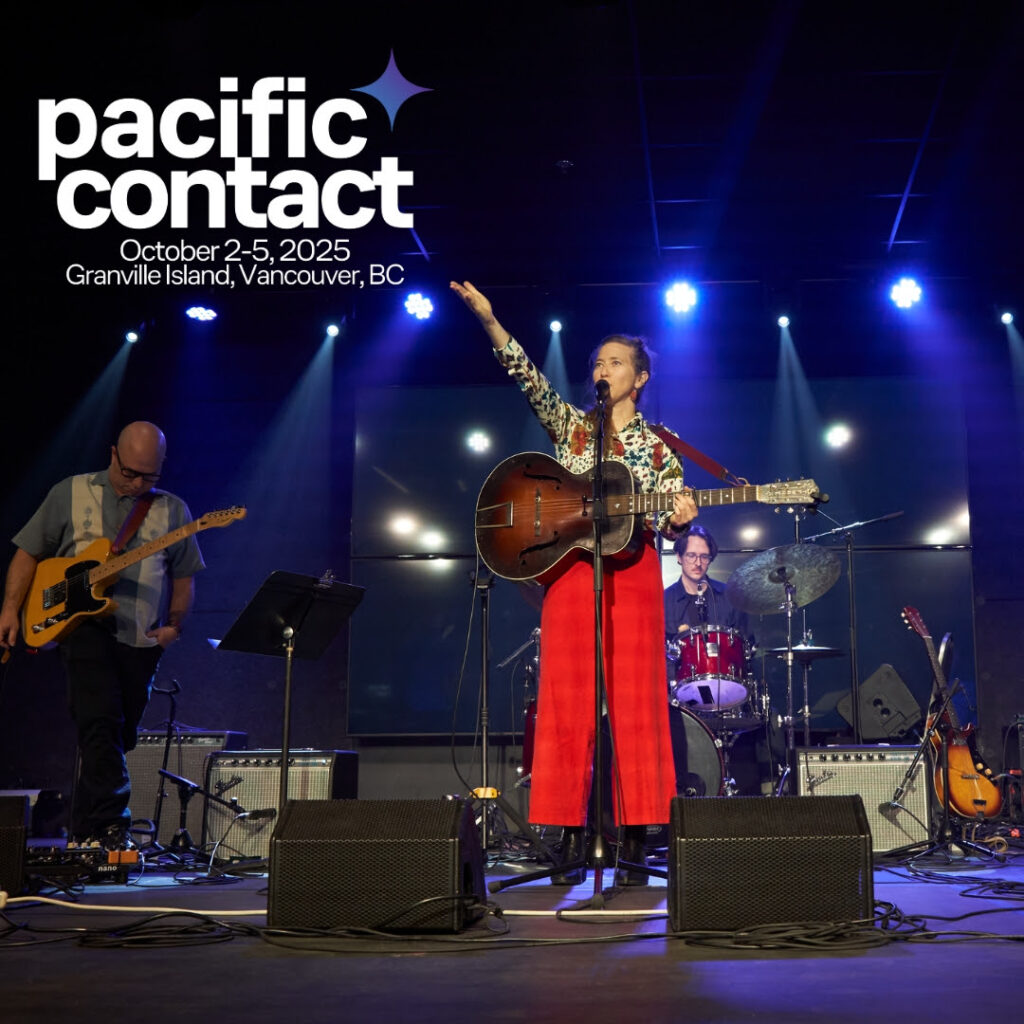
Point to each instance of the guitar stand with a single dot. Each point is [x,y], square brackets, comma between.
[943,843]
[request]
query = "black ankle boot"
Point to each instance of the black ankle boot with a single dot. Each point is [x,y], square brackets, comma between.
[632,852]
[574,850]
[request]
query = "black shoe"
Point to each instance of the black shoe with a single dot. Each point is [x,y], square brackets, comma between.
[116,838]
[574,850]
[631,850]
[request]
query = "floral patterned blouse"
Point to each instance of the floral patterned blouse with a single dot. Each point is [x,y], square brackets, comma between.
[654,465]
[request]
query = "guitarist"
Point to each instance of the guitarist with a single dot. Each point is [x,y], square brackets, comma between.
[633,613]
[110,660]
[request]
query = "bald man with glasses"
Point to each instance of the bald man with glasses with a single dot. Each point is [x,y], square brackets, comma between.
[110,659]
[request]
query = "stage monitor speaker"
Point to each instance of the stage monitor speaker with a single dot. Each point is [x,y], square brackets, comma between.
[389,865]
[874,774]
[888,710]
[253,779]
[736,862]
[186,759]
[14,821]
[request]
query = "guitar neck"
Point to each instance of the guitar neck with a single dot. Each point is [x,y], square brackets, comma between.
[643,504]
[940,682]
[114,565]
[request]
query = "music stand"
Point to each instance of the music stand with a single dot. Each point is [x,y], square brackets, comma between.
[292,616]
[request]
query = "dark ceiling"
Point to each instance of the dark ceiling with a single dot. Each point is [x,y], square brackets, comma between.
[785,145]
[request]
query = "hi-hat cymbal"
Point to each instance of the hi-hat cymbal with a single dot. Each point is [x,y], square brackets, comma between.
[807,652]
[758,586]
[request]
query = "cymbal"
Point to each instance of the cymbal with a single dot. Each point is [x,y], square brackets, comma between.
[758,586]
[807,652]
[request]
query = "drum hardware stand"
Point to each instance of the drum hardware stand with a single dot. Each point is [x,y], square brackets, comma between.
[531,670]
[488,796]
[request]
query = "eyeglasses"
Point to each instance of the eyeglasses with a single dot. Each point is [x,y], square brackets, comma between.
[692,556]
[134,474]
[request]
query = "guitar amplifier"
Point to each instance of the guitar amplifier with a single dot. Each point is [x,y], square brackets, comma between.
[186,759]
[874,773]
[252,779]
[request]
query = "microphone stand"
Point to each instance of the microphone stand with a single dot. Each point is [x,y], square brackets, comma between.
[597,852]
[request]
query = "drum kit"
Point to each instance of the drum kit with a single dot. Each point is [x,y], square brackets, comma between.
[713,692]
[713,689]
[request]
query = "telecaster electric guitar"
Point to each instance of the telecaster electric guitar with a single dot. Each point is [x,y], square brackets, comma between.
[66,591]
[532,511]
[972,793]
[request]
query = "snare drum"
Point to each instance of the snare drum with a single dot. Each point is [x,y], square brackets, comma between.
[709,673]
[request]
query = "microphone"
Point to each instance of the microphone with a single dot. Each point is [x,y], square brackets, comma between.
[267,812]
[700,601]
[602,388]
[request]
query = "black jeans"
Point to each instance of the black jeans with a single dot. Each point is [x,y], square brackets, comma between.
[108,689]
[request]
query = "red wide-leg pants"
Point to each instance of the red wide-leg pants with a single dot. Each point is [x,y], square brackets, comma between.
[643,780]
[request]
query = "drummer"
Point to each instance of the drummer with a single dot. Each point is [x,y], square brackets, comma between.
[697,600]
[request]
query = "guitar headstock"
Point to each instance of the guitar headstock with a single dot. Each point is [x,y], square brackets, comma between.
[912,617]
[222,517]
[789,492]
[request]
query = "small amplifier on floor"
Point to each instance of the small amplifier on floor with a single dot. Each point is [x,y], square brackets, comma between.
[186,758]
[253,779]
[874,773]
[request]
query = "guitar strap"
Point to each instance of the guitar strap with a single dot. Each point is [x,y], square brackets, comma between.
[132,522]
[704,461]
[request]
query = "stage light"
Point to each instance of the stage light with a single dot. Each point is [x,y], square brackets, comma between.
[905,292]
[200,313]
[1007,318]
[477,441]
[403,525]
[556,326]
[783,321]
[838,435]
[332,330]
[419,306]
[433,539]
[131,337]
[750,533]
[681,297]
[939,535]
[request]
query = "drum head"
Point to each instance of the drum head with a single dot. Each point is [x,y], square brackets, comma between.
[712,693]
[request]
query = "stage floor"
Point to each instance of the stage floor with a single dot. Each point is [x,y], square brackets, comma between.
[166,945]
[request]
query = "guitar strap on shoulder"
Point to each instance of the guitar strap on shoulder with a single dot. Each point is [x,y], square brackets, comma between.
[704,461]
[132,522]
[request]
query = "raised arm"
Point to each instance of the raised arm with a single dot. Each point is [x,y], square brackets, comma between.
[480,306]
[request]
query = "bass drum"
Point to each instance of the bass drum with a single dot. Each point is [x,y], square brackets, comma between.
[700,769]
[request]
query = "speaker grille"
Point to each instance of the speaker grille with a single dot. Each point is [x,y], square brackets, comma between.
[735,862]
[253,779]
[389,865]
[186,759]
[873,773]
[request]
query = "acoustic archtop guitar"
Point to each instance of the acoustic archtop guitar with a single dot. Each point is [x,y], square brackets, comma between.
[532,511]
